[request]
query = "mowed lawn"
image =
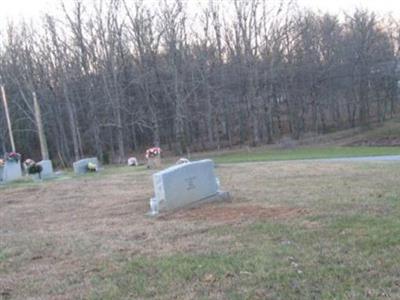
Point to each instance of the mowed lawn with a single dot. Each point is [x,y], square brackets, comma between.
[293,230]
[301,153]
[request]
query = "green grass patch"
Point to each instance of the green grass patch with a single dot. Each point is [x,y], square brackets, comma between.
[3,255]
[350,257]
[305,153]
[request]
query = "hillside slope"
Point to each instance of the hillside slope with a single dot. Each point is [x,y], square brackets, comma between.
[379,139]
[382,134]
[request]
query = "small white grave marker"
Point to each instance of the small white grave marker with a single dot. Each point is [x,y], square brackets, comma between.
[132,162]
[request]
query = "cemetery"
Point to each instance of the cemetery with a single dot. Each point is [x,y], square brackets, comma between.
[214,225]
[199,150]
[206,225]
[277,215]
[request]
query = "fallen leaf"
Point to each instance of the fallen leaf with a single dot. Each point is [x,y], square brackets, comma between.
[209,278]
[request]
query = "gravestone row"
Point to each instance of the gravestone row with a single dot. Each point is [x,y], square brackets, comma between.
[175,187]
[11,171]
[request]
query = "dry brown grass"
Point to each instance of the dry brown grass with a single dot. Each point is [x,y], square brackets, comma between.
[233,214]
[55,236]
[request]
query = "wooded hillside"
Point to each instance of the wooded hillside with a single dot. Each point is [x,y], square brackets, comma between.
[120,76]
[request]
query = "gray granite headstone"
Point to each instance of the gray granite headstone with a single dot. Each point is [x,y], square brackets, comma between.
[10,171]
[47,169]
[80,166]
[185,184]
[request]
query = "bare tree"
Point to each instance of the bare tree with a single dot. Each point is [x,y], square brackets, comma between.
[124,76]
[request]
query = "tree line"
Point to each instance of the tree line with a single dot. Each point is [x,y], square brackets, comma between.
[119,76]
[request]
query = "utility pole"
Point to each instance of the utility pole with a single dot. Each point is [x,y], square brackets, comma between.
[39,124]
[3,93]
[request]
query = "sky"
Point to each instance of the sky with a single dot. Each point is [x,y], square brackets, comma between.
[32,9]
[337,6]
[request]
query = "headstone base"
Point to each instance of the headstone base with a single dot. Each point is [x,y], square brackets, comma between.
[221,196]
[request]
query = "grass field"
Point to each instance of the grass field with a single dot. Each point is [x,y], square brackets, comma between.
[293,230]
[300,153]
